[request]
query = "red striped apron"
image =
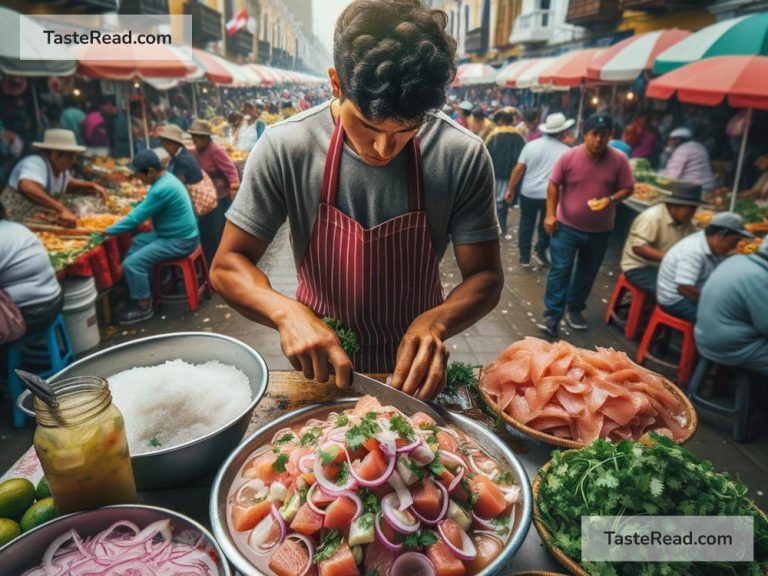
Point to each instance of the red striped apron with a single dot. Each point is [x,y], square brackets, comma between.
[376,281]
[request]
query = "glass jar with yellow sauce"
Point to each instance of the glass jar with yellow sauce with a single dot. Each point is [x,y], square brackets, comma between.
[82,446]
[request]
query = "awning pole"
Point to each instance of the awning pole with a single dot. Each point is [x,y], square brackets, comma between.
[128,119]
[194,99]
[581,111]
[742,150]
[144,123]
[35,104]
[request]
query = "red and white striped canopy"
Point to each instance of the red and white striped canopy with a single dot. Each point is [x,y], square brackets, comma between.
[474,74]
[626,60]
[511,73]
[569,69]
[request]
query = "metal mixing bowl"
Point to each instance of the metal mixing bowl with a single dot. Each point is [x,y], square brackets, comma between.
[484,437]
[179,464]
[27,551]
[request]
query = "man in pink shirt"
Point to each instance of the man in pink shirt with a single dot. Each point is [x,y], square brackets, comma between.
[586,184]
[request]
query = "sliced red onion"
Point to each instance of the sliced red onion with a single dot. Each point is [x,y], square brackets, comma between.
[451,457]
[512,494]
[390,507]
[467,550]
[327,484]
[306,463]
[483,522]
[375,483]
[262,530]
[412,563]
[382,538]
[408,448]
[456,480]
[490,533]
[311,503]
[338,435]
[250,491]
[423,454]
[475,467]
[388,441]
[404,496]
[310,549]
[451,431]
[443,509]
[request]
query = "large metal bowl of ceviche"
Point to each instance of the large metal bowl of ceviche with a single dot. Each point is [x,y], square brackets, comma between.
[116,539]
[353,487]
[186,397]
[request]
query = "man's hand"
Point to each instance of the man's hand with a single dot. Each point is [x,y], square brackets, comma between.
[99,189]
[310,345]
[66,218]
[421,368]
[550,224]
[599,204]
[509,196]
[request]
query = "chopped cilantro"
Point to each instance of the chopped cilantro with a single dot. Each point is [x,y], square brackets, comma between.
[435,467]
[328,457]
[402,427]
[341,420]
[154,442]
[459,374]
[502,526]
[357,435]
[370,502]
[276,450]
[365,521]
[346,336]
[303,494]
[343,474]
[416,469]
[285,438]
[473,496]
[279,463]
[431,427]
[420,539]
[505,479]
[328,547]
[311,436]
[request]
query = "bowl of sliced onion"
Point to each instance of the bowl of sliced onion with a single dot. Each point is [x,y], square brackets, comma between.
[125,539]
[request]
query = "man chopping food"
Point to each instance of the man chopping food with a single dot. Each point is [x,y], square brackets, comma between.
[374,185]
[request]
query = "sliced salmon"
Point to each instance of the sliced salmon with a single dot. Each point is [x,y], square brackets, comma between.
[490,500]
[445,563]
[378,559]
[340,564]
[307,521]
[372,466]
[289,559]
[246,517]
[420,420]
[340,513]
[427,498]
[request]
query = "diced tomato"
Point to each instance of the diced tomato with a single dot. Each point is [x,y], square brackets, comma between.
[246,517]
[378,559]
[371,444]
[446,442]
[340,564]
[427,498]
[445,563]
[488,548]
[390,533]
[490,500]
[321,498]
[340,513]
[453,532]
[373,465]
[307,521]
[263,468]
[289,559]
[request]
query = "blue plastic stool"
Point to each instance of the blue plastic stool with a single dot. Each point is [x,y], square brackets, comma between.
[56,356]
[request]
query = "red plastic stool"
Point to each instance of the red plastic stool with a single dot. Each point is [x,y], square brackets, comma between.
[194,271]
[688,355]
[635,308]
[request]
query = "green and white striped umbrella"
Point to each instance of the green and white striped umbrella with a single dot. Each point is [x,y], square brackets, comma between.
[745,35]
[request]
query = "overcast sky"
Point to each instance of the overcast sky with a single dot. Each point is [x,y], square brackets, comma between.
[325,13]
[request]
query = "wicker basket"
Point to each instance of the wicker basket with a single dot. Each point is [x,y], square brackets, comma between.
[536,573]
[685,403]
[546,536]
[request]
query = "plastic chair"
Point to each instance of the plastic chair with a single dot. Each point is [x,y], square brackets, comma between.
[639,296]
[194,273]
[57,355]
[684,365]
[740,409]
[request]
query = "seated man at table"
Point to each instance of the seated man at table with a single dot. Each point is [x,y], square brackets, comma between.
[734,329]
[175,232]
[688,160]
[688,264]
[655,231]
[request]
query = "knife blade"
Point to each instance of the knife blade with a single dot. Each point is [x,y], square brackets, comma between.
[362,384]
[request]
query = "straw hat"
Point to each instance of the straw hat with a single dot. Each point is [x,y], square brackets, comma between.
[59,139]
[556,123]
[200,128]
[171,132]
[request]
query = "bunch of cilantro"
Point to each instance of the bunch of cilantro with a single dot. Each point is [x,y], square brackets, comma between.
[347,336]
[652,478]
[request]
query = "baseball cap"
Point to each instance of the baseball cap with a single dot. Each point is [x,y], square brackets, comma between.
[144,160]
[598,121]
[731,221]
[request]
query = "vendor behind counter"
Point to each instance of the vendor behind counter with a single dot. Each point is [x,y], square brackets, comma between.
[40,179]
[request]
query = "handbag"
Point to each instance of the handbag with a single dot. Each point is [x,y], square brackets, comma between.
[12,324]
[203,195]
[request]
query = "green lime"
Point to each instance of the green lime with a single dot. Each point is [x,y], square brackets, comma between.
[40,512]
[16,495]
[43,490]
[9,530]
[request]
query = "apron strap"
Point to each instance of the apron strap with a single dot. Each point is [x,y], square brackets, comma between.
[333,161]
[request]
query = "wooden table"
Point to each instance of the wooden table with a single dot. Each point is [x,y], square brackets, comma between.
[289,391]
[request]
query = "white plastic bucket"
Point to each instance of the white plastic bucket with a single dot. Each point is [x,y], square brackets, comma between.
[80,313]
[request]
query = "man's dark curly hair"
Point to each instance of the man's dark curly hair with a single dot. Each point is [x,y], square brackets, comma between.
[394,58]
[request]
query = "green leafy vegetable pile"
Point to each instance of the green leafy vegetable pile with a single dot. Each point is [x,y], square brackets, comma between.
[652,478]
[460,374]
[347,336]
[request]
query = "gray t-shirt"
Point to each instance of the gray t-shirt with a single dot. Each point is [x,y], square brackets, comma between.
[26,273]
[284,172]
